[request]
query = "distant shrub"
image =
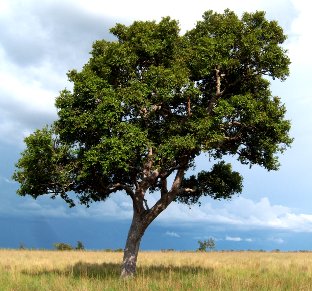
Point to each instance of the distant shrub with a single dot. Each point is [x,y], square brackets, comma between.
[80,246]
[63,247]
[167,250]
[22,246]
[118,250]
[203,245]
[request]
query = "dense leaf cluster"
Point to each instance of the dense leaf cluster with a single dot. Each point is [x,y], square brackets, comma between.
[147,104]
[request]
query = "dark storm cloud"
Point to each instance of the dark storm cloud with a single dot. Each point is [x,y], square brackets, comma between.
[39,43]
[18,118]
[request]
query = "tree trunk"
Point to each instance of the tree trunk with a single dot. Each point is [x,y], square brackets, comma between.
[141,219]
[135,234]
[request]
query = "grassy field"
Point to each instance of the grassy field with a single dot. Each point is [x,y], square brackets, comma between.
[85,270]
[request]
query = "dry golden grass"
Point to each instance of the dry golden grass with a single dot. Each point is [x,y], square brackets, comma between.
[78,270]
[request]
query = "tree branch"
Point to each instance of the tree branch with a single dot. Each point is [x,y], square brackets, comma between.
[166,199]
[218,94]
[146,205]
[167,173]
[164,189]
[189,113]
[149,163]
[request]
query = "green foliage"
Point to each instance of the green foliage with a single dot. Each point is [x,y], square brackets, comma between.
[80,246]
[22,246]
[203,245]
[242,46]
[62,247]
[219,183]
[67,247]
[146,105]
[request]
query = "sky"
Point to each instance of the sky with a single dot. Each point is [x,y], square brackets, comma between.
[41,40]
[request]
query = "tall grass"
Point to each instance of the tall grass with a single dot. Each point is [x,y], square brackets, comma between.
[76,270]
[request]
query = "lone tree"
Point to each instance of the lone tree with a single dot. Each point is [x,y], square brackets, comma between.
[80,246]
[150,102]
[203,245]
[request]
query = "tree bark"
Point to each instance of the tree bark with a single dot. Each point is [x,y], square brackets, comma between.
[135,234]
[141,219]
[218,94]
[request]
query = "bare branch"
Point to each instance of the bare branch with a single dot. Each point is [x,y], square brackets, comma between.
[167,173]
[149,163]
[189,113]
[232,138]
[146,205]
[164,189]
[219,93]
[118,186]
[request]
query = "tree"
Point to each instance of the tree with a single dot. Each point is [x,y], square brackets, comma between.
[22,246]
[211,243]
[150,102]
[80,246]
[62,246]
[203,245]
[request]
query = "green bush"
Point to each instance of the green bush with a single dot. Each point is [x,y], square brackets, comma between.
[203,245]
[80,246]
[62,246]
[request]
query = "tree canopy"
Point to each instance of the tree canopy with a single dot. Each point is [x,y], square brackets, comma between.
[147,104]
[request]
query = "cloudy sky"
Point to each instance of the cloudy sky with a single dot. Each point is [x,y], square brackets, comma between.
[41,40]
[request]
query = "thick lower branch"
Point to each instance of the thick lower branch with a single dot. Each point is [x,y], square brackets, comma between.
[164,189]
[166,198]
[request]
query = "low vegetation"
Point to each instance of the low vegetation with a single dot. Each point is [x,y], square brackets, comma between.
[95,270]
[67,247]
[206,244]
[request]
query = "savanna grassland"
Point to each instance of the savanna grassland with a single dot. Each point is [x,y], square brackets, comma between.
[95,270]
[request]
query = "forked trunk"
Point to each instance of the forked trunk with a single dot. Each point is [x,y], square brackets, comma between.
[142,217]
[135,234]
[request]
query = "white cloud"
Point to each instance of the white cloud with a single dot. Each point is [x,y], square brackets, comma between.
[238,239]
[188,13]
[172,234]
[118,207]
[300,35]
[230,238]
[33,208]
[276,240]
[4,7]
[241,213]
